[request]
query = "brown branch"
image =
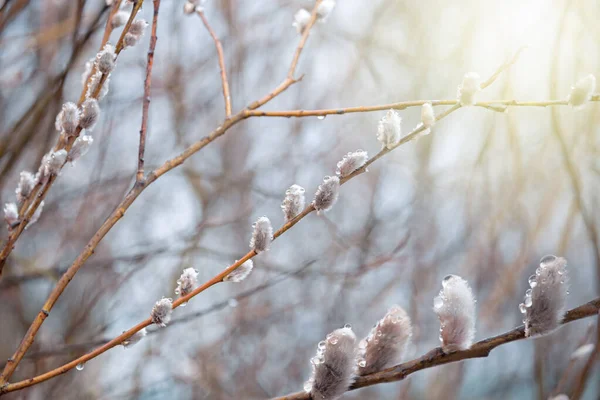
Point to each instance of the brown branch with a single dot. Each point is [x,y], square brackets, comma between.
[146,102]
[221,57]
[494,105]
[41,189]
[136,191]
[437,357]
[120,210]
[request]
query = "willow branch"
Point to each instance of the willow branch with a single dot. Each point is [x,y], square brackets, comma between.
[120,210]
[41,189]
[147,84]
[221,57]
[437,357]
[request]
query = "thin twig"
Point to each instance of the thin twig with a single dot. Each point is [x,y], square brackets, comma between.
[146,102]
[221,57]
[40,190]
[588,367]
[130,197]
[437,357]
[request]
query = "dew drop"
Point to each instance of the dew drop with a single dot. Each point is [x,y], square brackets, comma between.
[348,326]
[528,301]
[308,386]
[523,308]
[438,302]
[333,340]
[79,367]
[321,117]
[528,293]
[183,304]
[441,339]
[532,281]
[568,292]
[549,259]
[233,303]
[447,279]
[362,363]
[538,271]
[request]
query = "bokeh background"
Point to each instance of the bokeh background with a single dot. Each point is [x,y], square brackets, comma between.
[485,196]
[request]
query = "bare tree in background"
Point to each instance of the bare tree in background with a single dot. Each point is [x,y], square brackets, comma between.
[213,111]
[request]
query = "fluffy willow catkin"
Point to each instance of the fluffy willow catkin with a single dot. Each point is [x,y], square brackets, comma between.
[187,282]
[545,302]
[262,235]
[327,194]
[293,203]
[582,91]
[11,214]
[240,273]
[301,19]
[469,88]
[427,116]
[25,187]
[90,111]
[386,343]
[161,312]
[135,338]
[455,308]
[334,366]
[67,119]
[325,9]
[389,129]
[351,162]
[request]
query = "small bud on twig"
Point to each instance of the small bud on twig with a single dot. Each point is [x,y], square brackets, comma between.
[324,10]
[327,194]
[105,60]
[544,305]
[90,111]
[11,214]
[389,129]
[161,312]
[36,215]
[334,366]
[469,87]
[80,147]
[187,282]
[119,19]
[301,19]
[262,235]
[351,162]
[386,343]
[455,308]
[26,185]
[54,161]
[427,116]
[240,273]
[67,119]
[293,203]
[135,338]
[582,91]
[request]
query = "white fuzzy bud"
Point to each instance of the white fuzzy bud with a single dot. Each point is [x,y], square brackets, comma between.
[293,203]
[54,161]
[582,91]
[90,111]
[80,147]
[105,60]
[36,215]
[469,87]
[130,40]
[189,8]
[161,312]
[386,343]
[135,338]
[138,27]
[262,235]
[301,20]
[26,184]
[67,119]
[389,129]
[324,10]
[187,282]
[427,115]
[119,19]
[327,194]
[93,85]
[545,302]
[11,214]
[351,162]
[334,366]
[455,308]
[240,273]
